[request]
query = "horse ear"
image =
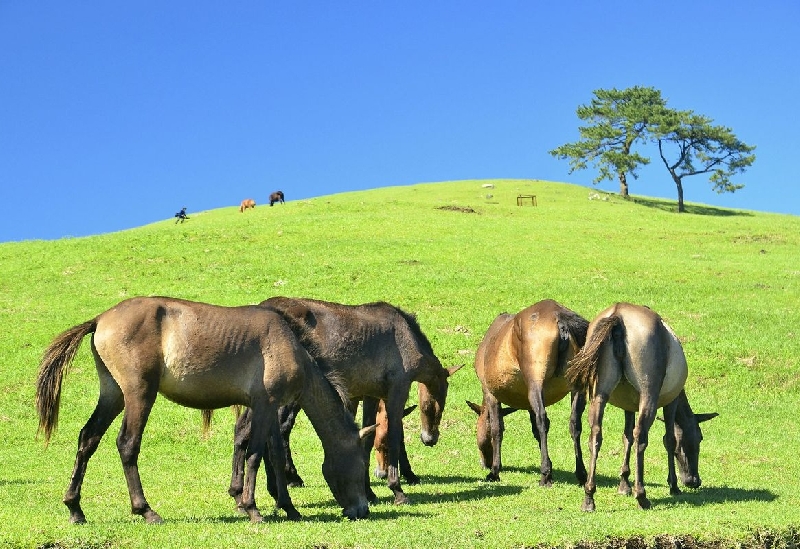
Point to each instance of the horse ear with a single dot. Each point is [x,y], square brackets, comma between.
[477,408]
[409,410]
[453,369]
[366,431]
[705,417]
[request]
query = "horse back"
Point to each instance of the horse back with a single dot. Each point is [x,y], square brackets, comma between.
[202,356]
[650,356]
[368,345]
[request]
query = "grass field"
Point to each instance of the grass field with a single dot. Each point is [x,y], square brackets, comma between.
[727,281]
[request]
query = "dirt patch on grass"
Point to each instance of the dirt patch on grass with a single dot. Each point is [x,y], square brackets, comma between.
[462,209]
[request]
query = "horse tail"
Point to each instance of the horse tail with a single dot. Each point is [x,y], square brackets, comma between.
[56,361]
[571,325]
[582,369]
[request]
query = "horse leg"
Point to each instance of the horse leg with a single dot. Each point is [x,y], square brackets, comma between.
[627,441]
[578,402]
[394,417]
[109,406]
[369,411]
[261,424]
[129,443]
[241,437]
[491,407]
[286,417]
[276,482]
[640,438]
[539,417]
[670,442]
[405,466]
[596,410]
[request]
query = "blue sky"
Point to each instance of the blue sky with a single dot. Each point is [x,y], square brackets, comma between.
[114,115]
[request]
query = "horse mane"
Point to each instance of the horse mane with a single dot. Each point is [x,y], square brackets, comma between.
[582,369]
[411,320]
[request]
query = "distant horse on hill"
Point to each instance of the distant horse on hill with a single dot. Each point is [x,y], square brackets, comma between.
[277,196]
[247,203]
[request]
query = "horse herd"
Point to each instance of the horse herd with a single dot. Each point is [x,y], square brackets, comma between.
[288,354]
[249,203]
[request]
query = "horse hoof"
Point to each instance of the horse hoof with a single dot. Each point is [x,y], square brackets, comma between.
[411,479]
[380,473]
[643,502]
[491,477]
[293,514]
[546,482]
[588,506]
[624,489]
[401,499]
[151,517]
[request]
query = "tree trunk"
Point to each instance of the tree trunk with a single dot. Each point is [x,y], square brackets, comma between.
[623,185]
[679,184]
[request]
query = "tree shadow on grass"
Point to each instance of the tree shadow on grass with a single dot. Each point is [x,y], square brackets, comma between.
[694,209]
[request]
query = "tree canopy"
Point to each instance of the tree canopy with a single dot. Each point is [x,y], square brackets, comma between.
[689,144]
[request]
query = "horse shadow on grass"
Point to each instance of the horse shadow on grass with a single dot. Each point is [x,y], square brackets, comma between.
[712,495]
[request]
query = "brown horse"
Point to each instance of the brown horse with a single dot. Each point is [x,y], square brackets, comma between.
[247,203]
[377,351]
[521,363]
[634,360]
[277,196]
[381,446]
[202,356]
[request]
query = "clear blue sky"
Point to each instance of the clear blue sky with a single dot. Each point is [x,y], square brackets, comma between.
[116,114]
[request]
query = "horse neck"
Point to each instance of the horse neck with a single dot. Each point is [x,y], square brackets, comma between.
[326,411]
[683,412]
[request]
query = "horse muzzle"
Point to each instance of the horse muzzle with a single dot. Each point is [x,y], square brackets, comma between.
[429,438]
[692,481]
[357,512]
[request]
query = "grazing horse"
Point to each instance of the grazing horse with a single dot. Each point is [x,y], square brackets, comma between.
[277,196]
[376,350]
[202,356]
[634,360]
[521,363]
[247,203]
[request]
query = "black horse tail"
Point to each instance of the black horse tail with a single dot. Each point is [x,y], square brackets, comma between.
[582,369]
[55,363]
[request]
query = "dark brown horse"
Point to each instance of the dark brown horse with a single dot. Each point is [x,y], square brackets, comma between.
[247,203]
[377,351]
[277,196]
[633,360]
[202,356]
[521,363]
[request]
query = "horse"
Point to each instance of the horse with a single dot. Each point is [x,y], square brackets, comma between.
[246,204]
[202,356]
[634,360]
[521,363]
[381,447]
[377,350]
[277,196]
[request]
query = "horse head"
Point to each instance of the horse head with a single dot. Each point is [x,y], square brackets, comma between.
[688,437]
[432,396]
[483,432]
[344,473]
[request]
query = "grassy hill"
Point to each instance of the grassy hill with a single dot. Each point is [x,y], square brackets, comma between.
[456,254]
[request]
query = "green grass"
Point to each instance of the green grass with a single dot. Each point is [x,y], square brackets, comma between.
[727,281]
